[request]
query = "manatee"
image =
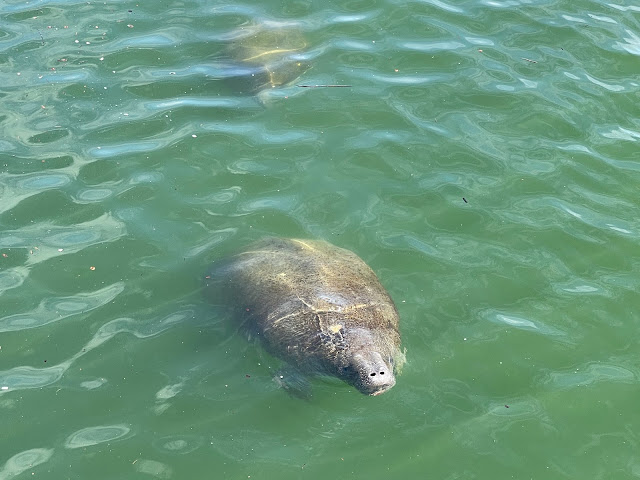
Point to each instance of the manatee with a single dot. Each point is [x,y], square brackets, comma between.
[319,308]
[264,56]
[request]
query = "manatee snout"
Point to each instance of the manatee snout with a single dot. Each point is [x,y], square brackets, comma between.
[371,374]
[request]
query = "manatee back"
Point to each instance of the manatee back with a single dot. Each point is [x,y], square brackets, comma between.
[312,303]
[312,271]
[267,56]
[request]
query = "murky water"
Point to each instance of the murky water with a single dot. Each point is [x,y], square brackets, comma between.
[483,159]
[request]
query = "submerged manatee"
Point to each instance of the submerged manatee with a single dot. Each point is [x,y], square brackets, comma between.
[318,307]
[265,56]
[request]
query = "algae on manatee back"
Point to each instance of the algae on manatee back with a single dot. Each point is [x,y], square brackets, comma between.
[266,56]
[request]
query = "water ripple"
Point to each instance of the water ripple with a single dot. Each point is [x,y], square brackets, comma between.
[54,240]
[65,78]
[178,444]
[589,374]
[17,188]
[93,195]
[59,308]
[23,461]
[522,323]
[24,377]
[43,181]
[90,436]
[428,47]
[93,384]
[140,41]
[586,215]
[12,278]
[261,133]
[213,239]
[579,287]
[184,102]
[128,148]
[632,44]
[153,468]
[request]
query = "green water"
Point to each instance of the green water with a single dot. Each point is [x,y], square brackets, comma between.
[484,161]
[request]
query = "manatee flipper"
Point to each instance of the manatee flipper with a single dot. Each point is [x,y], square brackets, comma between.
[294,382]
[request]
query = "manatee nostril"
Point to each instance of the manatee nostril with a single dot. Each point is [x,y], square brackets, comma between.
[381,373]
[373,374]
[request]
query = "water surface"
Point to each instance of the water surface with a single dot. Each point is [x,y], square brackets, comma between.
[484,162]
